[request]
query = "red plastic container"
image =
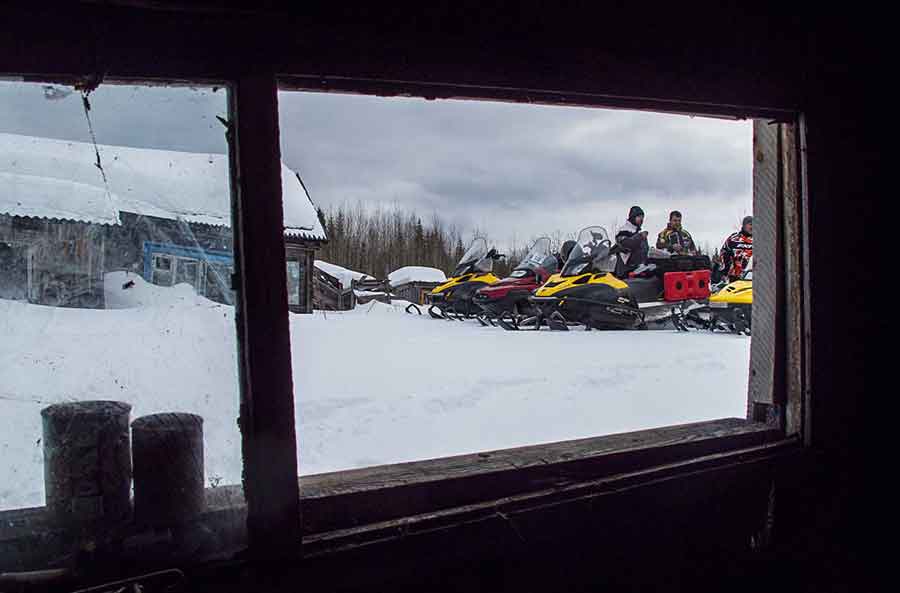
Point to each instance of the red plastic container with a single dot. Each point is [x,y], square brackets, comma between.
[675,286]
[698,284]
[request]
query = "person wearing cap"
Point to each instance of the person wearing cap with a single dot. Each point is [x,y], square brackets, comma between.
[737,250]
[631,242]
[674,238]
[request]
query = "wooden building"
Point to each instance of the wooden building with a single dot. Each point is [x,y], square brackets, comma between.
[412,283]
[162,214]
[329,293]
[366,290]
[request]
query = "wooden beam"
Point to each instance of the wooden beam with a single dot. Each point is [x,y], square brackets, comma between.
[391,51]
[768,314]
[269,441]
[793,255]
[340,500]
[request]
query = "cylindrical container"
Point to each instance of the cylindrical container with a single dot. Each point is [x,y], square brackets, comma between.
[87,461]
[168,468]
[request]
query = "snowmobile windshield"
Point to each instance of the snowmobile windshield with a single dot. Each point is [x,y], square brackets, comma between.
[591,253]
[539,256]
[475,259]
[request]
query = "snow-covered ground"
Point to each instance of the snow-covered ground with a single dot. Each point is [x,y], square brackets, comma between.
[372,386]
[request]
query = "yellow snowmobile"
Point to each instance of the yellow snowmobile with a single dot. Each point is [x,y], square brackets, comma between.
[730,307]
[454,298]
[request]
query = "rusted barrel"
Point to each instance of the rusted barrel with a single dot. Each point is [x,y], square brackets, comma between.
[168,468]
[87,461]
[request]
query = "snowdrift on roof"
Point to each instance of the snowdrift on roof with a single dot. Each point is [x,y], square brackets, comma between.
[344,276]
[415,274]
[49,178]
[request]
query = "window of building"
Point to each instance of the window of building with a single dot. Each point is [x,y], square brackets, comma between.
[162,270]
[90,262]
[294,284]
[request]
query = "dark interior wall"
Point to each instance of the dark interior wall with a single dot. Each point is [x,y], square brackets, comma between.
[773,63]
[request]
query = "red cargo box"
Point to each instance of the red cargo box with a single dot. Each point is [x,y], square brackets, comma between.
[675,285]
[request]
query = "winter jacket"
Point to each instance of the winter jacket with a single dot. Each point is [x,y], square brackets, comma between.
[670,237]
[736,252]
[632,250]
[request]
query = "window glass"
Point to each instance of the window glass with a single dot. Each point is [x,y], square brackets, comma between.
[293,279]
[116,305]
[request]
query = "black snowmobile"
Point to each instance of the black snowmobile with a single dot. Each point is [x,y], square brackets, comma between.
[657,294]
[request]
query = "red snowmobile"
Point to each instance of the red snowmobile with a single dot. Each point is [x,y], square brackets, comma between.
[506,302]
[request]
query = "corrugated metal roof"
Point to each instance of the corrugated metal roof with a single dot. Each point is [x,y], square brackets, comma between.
[59,179]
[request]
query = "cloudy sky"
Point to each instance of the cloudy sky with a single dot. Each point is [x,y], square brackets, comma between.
[515,171]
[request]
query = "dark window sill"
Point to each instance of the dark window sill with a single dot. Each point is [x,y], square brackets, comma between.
[348,500]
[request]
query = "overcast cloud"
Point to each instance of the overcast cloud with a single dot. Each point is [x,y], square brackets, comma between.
[515,171]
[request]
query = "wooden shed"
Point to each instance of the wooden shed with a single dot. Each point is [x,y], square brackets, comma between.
[413,283]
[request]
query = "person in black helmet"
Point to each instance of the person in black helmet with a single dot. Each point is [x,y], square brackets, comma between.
[631,242]
[564,252]
[737,250]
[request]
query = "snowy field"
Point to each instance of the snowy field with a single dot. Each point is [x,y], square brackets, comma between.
[372,386]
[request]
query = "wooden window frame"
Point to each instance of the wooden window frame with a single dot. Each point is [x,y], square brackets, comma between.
[352,507]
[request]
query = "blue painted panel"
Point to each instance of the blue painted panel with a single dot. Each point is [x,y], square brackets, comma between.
[151,249]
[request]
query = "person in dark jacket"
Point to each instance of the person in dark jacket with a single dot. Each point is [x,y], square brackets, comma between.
[631,242]
[674,238]
[737,250]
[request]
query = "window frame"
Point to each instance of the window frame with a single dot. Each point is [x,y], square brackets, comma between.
[272,487]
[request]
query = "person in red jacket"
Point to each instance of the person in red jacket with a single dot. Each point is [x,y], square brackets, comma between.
[737,250]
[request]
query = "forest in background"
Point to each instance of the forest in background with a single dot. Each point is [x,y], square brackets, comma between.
[379,240]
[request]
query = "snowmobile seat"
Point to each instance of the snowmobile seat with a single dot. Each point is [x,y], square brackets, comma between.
[645,289]
[680,263]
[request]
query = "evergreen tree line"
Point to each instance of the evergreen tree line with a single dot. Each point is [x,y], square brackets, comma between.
[377,241]
[380,240]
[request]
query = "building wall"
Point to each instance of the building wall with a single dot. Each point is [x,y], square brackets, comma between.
[62,263]
[50,262]
[414,292]
[167,252]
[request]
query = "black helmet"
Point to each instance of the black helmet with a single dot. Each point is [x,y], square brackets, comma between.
[746,220]
[566,249]
[634,213]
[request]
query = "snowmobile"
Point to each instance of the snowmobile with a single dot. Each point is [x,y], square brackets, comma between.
[454,298]
[658,293]
[730,307]
[506,302]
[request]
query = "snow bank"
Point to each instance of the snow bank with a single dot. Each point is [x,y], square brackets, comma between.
[59,179]
[344,276]
[125,290]
[414,387]
[409,274]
